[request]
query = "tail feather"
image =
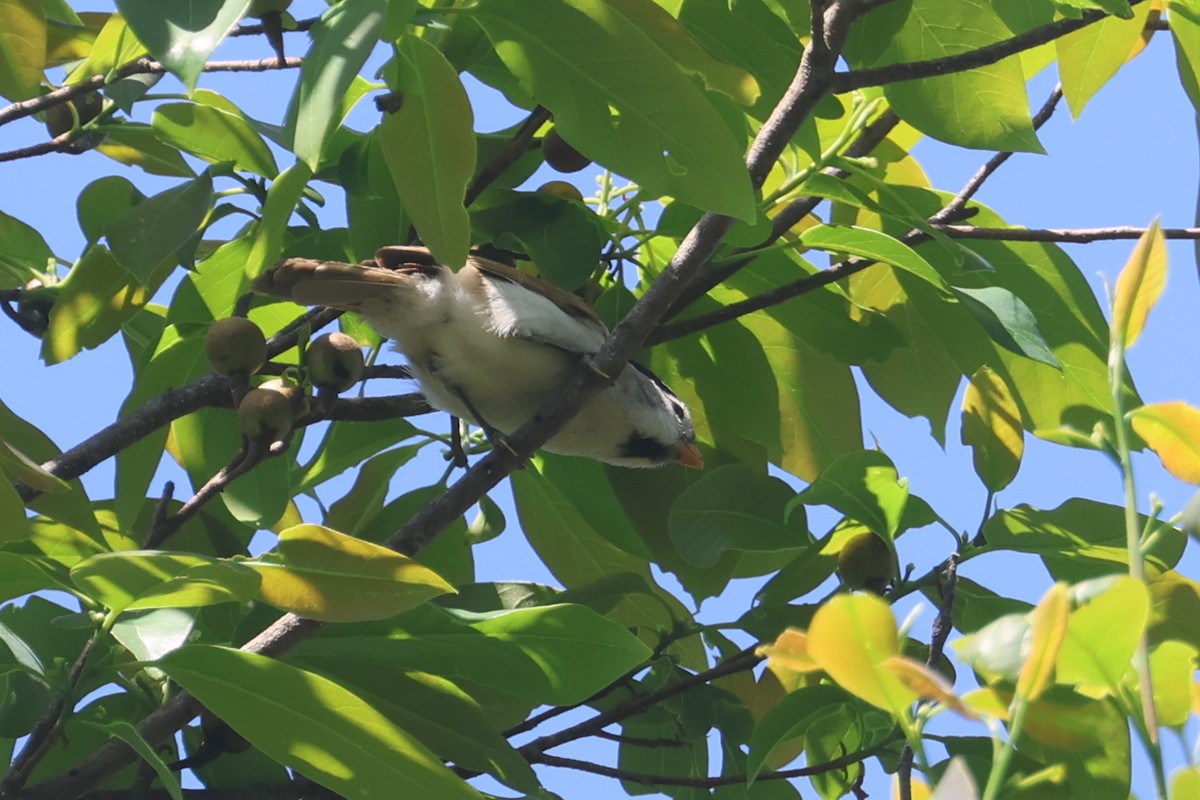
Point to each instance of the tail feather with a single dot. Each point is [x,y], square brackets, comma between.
[326,283]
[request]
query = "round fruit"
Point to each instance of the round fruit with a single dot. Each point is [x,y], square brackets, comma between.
[235,345]
[265,415]
[334,362]
[290,388]
[560,155]
[567,191]
[865,562]
[61,118]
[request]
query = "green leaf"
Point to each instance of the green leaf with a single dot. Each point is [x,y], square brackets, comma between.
[1080,539]
[126,732]
[321,574]
[21,574]
[16,466]
[282,199]
[311,724]
[789,719]
[154,230]
[347,444]
[563,238]
[1090,56]
[182,35]
[115,45]
[22,48]
[138,146]
[98,296]
[620,100]
[665,31]
[864,486]
[1102,635]
[580,651]
[214,133]
[24,254]
[985,107]
[1185,33]
[153,579]
[342,40]
[874,245]
[733,508]
[1008,321]
[354,510]
[429,148]
[152,633]
[1139,286]
[991,427]
[103,201]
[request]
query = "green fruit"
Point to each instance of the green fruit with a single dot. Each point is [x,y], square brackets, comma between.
[560,155]
[567,191]
[334,362]
[265,415]
[235,345]
[865,562]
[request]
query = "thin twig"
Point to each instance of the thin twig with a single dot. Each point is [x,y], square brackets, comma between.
[1066,235]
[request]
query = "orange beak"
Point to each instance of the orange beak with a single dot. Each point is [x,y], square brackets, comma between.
[690,456]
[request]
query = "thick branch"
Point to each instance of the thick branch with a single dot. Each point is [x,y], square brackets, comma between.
[913,70]
[1067,235]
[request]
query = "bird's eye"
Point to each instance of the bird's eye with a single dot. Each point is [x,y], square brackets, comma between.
[677,407]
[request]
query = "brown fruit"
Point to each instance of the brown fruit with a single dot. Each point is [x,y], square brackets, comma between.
[560,155]
[265,415]
[334,362]
[865,562]
[291,389]
[567,191]
[234,345]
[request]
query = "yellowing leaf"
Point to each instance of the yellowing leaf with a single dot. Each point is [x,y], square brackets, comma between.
[1075,725]
[789,653]
[1102,635]
[851,637]
[1172,430]
[1139,286]
[1185,783]
[22,48]
[1049,621]
[927,683]
[321,574]
[1171,667]
[991,427]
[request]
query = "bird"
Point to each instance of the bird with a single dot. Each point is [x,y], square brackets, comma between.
[492,345]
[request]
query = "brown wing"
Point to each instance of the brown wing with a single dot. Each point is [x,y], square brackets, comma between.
[328,283]
[400,257]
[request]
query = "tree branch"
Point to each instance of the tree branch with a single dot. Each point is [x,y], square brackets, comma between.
[516,147]
[913,70]
[1066,235]
[811,83]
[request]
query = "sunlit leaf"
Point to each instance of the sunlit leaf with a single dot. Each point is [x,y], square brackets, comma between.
[1172,666]
[1089,57]
[1172,430]
[991,427]
[24,254]
[1102,635]
[874,245]
[152,579]
[342,41]
[788,720]
[851,636]
[864,486]
[182,36]
[319,573]
[1139,285]
[154,230]
[22,48]
[1048,622]
[215,133]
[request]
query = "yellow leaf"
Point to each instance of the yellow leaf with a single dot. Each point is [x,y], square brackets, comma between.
[1049,622]
[991,427]
[851,637]
[1172,430]
[1139,286]
[789,653]
[321,574]
[928,684]
[1185,783]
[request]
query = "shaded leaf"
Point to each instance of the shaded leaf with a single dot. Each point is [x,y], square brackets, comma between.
[155,229]
[215,133]
[138,146]
[24,254]
[182,35]
[864,486]
[22,48]
[429,148]
[620,100]
[312,724]
[1009,321]
[153,579]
